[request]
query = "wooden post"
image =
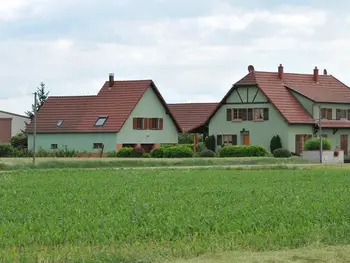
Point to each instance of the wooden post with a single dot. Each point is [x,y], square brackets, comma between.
[194,142]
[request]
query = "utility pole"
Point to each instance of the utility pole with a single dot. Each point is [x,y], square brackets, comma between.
[34,133]
[319,124]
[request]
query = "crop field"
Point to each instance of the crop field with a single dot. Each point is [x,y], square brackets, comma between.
[165,214]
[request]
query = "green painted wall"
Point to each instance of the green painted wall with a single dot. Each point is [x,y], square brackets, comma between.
[296,129]
[74,141]
[305,102]
[148,107]
[261,132]
[332,106]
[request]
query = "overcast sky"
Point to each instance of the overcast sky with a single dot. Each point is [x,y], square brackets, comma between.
[193,49]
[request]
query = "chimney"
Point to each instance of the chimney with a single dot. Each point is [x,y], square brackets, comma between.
[325,72]
[111,79]
[280,72]
[316,74]
[250,68]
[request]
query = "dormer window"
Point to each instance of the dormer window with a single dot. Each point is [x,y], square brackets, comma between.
[59,123]
[101,120]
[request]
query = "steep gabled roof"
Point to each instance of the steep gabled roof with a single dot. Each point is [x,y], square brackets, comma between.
[79,113]
[191,116]
[14,114]
[278,92]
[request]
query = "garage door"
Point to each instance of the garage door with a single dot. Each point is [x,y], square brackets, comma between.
[5,130]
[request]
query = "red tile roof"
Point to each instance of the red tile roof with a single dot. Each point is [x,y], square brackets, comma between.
[335,124]
[327,89]
[79,113]
[191,116]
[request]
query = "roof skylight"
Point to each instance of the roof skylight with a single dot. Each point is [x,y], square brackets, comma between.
[101,120]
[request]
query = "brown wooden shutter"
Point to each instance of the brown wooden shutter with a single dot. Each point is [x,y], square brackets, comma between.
[229,114]
[338,114]
[250,114]
[348,114]
[160,124]
[244,114]
[134,123]
[298,144]
[219,140]
[145,124]
[266,114]
[234,139]
[329,114]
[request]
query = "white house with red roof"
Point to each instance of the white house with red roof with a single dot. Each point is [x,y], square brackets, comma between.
[264,104]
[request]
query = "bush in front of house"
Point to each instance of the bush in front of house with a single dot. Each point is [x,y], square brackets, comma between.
[282,153]
[314,144]
[137,152]
[275,143]
[147,155]
[210,142]
[207,153]
[200,147]
[179,151]
[158,152]
[6,150]
[124,152]
[243,151]
[112,154]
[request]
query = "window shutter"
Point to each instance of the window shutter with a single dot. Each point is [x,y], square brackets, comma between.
[160,123]
[145,124]
[229,114]
[338,114]
[234,139]
[329,114]
[134,123]
[348,114]
[250,114]
[219,140]
[266,114]
[244,118]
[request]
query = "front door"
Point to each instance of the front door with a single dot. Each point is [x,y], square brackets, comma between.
[344,143]
[246,139]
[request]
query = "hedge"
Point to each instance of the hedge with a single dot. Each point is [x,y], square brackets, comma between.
[124,152]
[178,152]
[314,143]
[282,153]
[243,151]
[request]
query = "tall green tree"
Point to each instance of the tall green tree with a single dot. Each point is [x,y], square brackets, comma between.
[42,95]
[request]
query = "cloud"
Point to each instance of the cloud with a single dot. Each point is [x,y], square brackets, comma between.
[193,50]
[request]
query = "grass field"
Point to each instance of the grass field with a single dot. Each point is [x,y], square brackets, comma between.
[44,163]
[157,215]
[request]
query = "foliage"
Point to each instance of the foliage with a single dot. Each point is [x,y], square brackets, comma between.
[282,153]
[137,152]
[140,216]
[178,152]
[147,155]
[60,153]
[6,150]
[275,143]
[314,144]
[157,152]
[243,151]
[207,153]
[210,142]
[187,138]
[124,152]
[200,147]
[41,98]
[20,141]
[112,154]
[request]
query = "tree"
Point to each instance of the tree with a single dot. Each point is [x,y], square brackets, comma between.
[275,143]
[41,98]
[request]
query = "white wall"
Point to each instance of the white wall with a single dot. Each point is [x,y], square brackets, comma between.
[17,121]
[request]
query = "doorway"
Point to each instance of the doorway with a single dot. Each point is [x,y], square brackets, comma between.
[245,138]
[344,143]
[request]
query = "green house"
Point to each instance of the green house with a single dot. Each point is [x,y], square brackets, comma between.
[123,113]
[264,104]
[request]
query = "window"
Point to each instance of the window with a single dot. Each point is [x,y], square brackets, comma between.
[230,139]
[98,145]
[258,114]
[237,114]
[154,124]
[54,146]
[326,113]
[341,114]
[138,124]
[101,120]
[59,123]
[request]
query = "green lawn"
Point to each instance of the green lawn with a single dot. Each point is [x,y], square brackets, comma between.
[157,215]
[25,163]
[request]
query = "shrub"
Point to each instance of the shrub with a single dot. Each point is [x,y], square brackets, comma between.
[147,155]
[207,153]
[6,150]
[158,152]
[19,141]
[243,151]
[282,153]
[112,154]
[124,152]
[200,147]
[178,152]
[137,152]
[210,142]
[275,143]
[313,144]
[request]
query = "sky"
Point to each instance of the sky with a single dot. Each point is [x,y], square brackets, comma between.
[193,50]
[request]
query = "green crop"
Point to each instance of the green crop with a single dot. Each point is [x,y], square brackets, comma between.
[170,213]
